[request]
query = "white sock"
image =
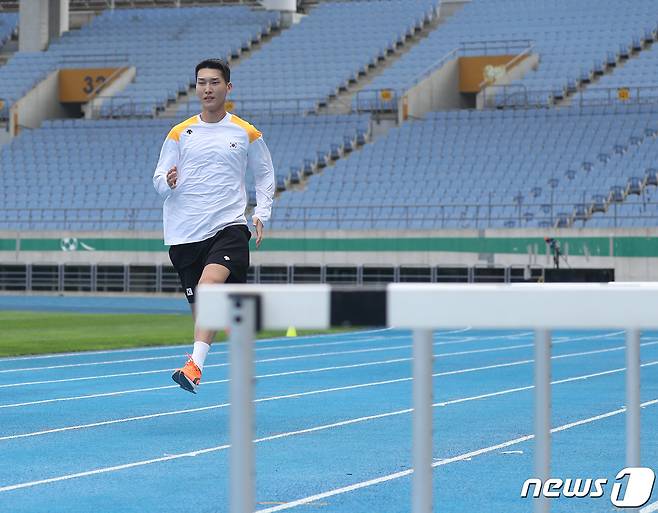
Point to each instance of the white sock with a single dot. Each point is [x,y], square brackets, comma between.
[200,352]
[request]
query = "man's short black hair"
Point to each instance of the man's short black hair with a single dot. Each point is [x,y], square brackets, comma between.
[215,64]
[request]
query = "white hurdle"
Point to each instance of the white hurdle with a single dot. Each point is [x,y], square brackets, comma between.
[423,308]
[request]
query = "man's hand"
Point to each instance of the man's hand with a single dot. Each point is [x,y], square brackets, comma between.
[172,177]
[259,231]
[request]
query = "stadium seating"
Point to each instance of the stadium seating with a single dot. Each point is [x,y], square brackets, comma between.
[536,168]
[163,44]
[573,40]
[8,26]
[79,174]
[305,64]
[481,169]
[638,74]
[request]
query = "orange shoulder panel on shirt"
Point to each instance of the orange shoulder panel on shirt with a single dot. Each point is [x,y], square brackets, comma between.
[250,129]
[175,132]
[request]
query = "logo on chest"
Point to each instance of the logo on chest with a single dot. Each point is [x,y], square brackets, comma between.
[233,145]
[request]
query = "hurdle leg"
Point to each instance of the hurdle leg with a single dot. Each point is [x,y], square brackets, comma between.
[632,398]
[542,413]
[243,323]
[422,422]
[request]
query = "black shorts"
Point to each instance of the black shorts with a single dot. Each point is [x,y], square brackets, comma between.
[230,248]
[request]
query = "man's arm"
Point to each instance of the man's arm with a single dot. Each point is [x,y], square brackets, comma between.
[259,162]
[165,176]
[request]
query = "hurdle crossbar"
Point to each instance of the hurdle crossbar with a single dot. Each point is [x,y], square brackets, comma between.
[423,308]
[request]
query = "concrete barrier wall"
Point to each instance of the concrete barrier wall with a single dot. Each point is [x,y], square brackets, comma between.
[41,103]
[632,253]
[439,91]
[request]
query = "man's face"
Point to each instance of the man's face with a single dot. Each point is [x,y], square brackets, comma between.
[211,89]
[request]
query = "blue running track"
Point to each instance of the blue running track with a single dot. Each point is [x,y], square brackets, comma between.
[110,432]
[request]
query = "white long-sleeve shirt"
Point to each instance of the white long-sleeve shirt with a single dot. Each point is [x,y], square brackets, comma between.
[212,160]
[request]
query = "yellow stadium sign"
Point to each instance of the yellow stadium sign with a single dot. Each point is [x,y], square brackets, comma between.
[81,85]
[386,95]
[624,94]
[482,70]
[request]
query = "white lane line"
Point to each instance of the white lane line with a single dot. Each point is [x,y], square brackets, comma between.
[305,431]
[443,462]
[439,335]
[530,387]
[171,347]
[303,346]
[287,373]
[312,355]
[316,370]
[215,365]
[206,383]
[272,348]
[266,360]
[214,353]
[316,392]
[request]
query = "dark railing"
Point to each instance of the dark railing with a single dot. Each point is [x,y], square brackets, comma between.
[130,219]
[120,106]
[387,99]
[85,5]
[436,216]
[519,96]
[259,106]
[151,278]
[377,100]
[475,48]
[455,215]
[631,95]
[97,59]
[126,106]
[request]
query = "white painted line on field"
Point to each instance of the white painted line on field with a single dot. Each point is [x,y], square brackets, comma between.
[297,357]
[314,392]
[311,371]
[462,457]
[266,360]
[170,347]
[214,353]
[330,493]
[272,348]
[206,383]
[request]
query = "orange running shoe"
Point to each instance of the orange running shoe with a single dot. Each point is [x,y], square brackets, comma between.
[189,376]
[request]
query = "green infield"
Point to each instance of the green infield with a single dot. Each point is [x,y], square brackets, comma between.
[26,333]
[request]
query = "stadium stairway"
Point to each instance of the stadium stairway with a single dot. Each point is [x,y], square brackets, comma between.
[173,107]
[342,102]
[338,94]
[9,48]
[573,96]
[626,187]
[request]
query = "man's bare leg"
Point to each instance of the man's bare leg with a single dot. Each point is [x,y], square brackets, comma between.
[189,376]
[212,273]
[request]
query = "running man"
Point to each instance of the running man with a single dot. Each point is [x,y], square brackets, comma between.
[201,177]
